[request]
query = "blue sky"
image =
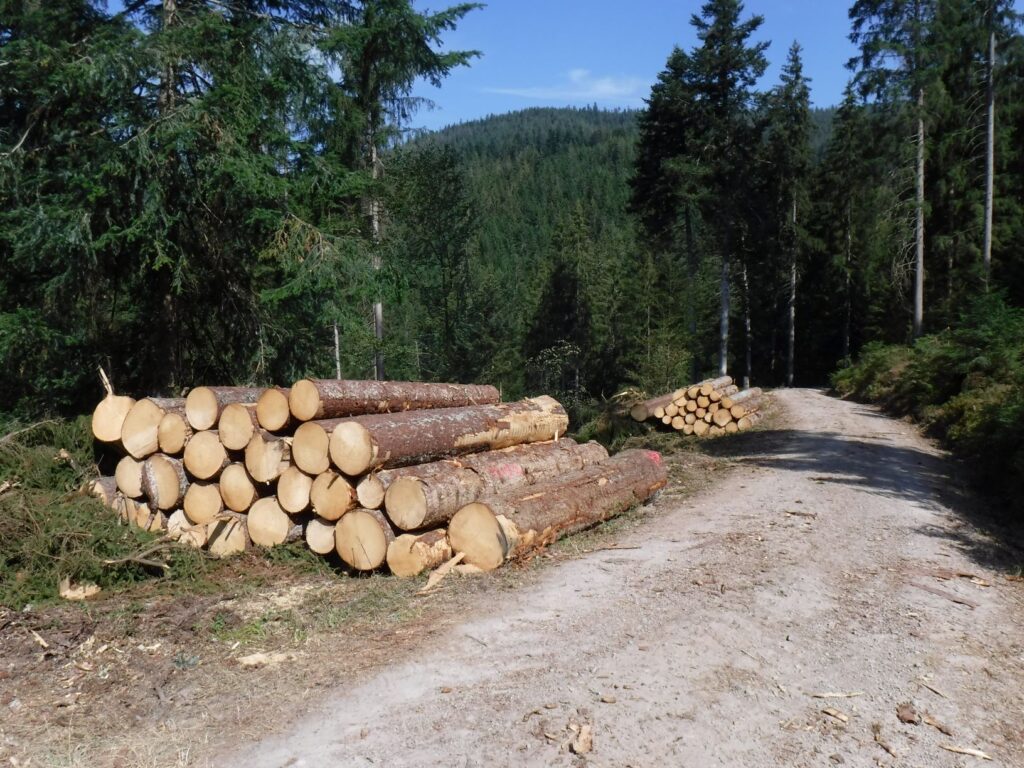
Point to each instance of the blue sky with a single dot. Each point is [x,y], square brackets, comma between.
[580,52]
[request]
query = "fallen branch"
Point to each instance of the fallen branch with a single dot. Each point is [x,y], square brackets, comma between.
[11,435]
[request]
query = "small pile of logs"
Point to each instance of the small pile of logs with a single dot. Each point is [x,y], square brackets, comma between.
[712,407]
[407,474]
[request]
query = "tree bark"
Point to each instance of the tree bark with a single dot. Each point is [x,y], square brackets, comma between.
[311,399]
[385,441]
[429,494]
[723,339]
[747,332]
[791,356]
[411,554]
[990,151]
[918,326]
[204,405]
[501,528]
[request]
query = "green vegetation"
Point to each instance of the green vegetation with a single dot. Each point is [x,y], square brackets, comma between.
[965,385]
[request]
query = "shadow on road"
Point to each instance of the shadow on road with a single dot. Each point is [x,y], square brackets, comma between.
[880,468]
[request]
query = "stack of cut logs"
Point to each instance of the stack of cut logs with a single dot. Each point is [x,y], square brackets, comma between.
[408,473]
[712,407]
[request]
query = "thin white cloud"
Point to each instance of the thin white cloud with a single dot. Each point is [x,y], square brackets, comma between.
[582,85]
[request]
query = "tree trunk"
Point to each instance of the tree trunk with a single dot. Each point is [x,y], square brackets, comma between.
[723,338]
[498,529]
[428,495]
[747,332]
[848,259]
[272,409]
[990,153]
[204,405]
[411,554]
[163,482]
[140,432]
[791,356]
[362,537]
[919,226]
[335,398]
[205,455]
[385,441]
[237,425]
[203,502]
[375,227]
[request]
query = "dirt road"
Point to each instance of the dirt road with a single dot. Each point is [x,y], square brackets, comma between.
[828,563]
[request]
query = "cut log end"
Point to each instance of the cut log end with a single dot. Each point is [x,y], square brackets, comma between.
[203,502]
[351,448]
[272,410]
[331,495]
[140,430]
[128,475]
[227,536]
[476,531]
[237,425]
[311,448]
[293,488]
[266,457]
[370,492]
[268,524]
[163,481]
[236,488]
[304,400]
[320,536]
[201,408]
[173,434]
[361,539]
[205,455]
[406,503]
[638,412]
[108,417]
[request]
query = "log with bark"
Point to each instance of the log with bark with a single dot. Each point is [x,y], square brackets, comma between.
[411,554]
[361,538]
[429,494]
[140,432]
[385,441]
[164,482]
[204,405]
[491,531]
[105,489]
[311,399]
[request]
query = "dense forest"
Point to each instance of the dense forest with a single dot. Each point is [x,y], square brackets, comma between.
[197,191]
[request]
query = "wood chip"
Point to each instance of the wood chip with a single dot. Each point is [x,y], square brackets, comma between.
[876,730]
[965,751]
[831,712]
[929,720]
[81,591]
[933,689]
[435,578]
[907,714]
[608,699]
[257,660]
[38,638]
[836,695]
[584,741]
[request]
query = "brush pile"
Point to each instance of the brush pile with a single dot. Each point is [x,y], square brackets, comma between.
[712,407]
[410,474]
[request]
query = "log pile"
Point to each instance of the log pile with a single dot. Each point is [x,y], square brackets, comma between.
[402,474]
[710,408]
